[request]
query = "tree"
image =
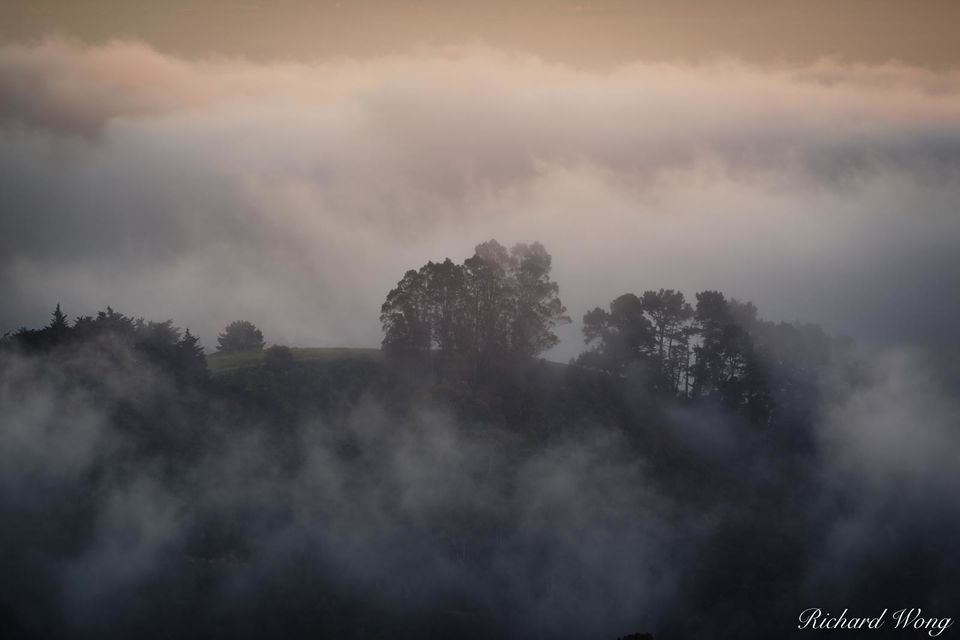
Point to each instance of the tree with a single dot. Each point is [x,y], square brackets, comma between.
[489,299]
[670,315]
[240,335]
[538,308]
[158,342]
[498,304]
[57,332]
[712,319]
[446,305]
[113,322]
[405,318]
[191,362]
[726,367]
[662,331]
[623,335]
[59,321]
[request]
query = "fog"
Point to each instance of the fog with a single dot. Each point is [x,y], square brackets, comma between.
[426,516]
[470,490]
[295,194]
[379,516]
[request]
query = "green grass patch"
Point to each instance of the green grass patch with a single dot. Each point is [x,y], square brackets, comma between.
[219,363]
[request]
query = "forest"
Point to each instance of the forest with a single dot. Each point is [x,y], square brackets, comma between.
[674,479]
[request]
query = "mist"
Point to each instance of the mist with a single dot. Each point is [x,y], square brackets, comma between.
[397,512]
[210,189]
[714,477]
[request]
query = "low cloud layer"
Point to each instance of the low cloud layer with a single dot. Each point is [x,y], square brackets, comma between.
[415,515]
[140,505]
[295,194]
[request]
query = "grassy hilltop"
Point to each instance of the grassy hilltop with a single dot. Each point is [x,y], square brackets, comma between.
[220,363]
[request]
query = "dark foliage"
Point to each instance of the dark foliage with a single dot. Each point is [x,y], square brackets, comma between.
[278,358]
[240,335]
[445,495]
[496,306]
[154,344]
[720,352]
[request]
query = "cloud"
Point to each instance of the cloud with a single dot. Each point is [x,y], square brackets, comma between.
[50,86]
[296,194]
[418,517]
[893,423]
[141,505]
[887,426]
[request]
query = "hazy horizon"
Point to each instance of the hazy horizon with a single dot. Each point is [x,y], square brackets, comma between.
[295,194]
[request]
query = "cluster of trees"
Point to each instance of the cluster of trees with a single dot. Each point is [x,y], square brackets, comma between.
[654,328]
[718,349]
[501,306]
[160,343]
[498,304]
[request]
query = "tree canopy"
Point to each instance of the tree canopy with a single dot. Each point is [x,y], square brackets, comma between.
[240,335]
[497,304]
[160,344]
[719,350]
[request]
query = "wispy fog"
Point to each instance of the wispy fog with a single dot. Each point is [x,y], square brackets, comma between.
[296,194]
[387,519]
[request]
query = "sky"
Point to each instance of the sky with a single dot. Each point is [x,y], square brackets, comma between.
[286,162]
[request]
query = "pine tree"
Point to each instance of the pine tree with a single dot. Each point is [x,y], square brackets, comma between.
[59,321]
[192,363]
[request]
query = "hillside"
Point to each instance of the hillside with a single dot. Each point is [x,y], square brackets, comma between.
[357,494]
[220,363]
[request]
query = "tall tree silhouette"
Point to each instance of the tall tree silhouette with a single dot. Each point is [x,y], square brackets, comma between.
[58,330]
[446,305]
[405,316]
[670,315]
[619,337]
[59,320]
[191,363]
[497,304]
[490,296]
[538,307]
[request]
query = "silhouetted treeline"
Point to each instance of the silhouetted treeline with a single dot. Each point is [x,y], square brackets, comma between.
[356,497]
[719,350]
[498,304]
[159,344]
